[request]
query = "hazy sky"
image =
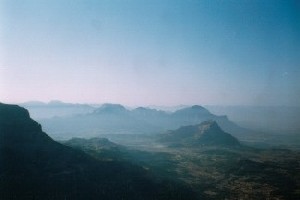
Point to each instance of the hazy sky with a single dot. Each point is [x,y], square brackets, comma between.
[141,52]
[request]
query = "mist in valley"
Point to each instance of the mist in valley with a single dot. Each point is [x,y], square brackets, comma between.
[188,147]
[149,100]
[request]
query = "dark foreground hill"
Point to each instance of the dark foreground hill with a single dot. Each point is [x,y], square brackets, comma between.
[33,166]
[208,133]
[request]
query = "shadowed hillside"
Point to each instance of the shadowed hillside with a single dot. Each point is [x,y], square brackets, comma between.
[33,166]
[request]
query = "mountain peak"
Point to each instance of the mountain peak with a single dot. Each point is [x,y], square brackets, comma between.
[193,110]
[198,107]
[55,102]
[146,110]
[143,108]
[208,125]
[206,133]
[110,108]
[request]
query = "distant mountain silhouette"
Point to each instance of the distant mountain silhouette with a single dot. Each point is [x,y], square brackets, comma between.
[207,133]
[33,166]
[116,119]
[195,111]
[40,110]
[110,109]
[196,114]
[148,112]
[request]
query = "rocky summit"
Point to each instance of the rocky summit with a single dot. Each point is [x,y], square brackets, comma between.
[205,133]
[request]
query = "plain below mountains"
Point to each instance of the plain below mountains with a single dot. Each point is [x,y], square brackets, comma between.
[116,119]
[33,166]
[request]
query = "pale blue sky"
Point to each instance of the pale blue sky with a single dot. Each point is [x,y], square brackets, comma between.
[151,52]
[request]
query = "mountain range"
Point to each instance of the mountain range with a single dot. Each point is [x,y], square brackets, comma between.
[116,119]
[33,166]
[41,110]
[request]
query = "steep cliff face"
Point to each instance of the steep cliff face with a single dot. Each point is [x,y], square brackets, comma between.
[16,127]
[32,165]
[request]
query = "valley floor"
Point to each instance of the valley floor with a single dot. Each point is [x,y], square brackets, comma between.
[214,172]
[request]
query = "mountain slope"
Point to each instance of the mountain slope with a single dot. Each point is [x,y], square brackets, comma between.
[196,114]
[33,166]
[207,133]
